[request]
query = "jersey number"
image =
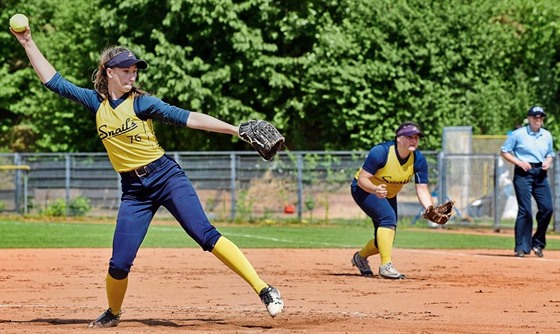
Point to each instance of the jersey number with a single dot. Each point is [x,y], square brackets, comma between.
[134,138]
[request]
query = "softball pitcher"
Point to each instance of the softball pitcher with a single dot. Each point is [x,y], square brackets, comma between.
[149,177]
[387,168]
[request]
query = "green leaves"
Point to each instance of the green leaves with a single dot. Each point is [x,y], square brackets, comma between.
[336,75]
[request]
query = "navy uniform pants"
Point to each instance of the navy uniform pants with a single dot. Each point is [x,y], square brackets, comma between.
[532,183]
[382,211]
[165,184]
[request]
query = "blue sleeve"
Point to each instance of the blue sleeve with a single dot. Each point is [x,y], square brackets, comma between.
[86,97]
[376,159]
[420,168]
[510,143]
[151,107]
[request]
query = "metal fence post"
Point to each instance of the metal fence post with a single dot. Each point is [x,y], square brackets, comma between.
[67,182]
[299,186]
[496,199]
[233,176]
[441,178]
[25,191]
[17,161]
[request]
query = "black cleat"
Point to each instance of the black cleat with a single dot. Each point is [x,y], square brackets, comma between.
[107,319]
[362,264]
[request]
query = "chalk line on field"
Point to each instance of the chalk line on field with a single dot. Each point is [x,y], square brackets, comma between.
[272,239]
[254,236]
[338,245]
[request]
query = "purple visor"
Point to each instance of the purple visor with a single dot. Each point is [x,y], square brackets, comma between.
[410,130]
[124,60]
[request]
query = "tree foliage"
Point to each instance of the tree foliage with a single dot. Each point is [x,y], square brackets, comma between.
[335,75]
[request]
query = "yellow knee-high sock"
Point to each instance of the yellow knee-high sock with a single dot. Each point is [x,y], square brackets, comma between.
[385,238]
[227,252]
[116,288]
[369,249]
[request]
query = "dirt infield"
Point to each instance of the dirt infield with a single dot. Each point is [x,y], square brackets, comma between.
[187,290]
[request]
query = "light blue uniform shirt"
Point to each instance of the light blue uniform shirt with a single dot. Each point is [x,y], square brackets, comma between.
[529,146]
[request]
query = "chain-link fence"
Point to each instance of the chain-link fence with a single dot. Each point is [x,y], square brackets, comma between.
[239,186]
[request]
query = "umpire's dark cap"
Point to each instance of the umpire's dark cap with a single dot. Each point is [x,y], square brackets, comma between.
[409,129]
[125,60]
[536,111]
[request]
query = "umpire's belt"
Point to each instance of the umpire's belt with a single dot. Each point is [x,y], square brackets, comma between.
[536,164]
[144,170]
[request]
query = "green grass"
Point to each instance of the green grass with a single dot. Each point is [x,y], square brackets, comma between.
[22,234]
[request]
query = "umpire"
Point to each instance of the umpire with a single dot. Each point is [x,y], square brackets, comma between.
[529,148]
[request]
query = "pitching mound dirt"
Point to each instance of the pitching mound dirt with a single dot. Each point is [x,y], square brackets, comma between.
[188,290]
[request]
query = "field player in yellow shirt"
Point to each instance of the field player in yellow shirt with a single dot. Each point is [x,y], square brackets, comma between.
[387,168]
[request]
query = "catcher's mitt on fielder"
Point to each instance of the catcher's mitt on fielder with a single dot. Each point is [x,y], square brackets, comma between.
[263,136]
[439,214]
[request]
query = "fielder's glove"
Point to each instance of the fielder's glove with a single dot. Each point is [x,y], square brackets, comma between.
[439,214]
[263,136]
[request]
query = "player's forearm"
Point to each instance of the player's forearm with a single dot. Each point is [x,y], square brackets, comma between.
[366,184]
[201,121]
[510,158]
[424,195]
[45,71]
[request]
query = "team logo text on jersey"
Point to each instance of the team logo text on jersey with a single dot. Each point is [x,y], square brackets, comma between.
[387,179]
[127,126]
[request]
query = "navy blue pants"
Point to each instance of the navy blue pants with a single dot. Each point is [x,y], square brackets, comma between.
[532,183]
[168,186]
[382,211]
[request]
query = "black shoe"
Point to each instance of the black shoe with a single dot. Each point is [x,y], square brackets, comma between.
[538,251]
[519,254]
[362,264]
[107,319]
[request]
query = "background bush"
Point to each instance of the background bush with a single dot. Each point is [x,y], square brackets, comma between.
[333,75]
[78,206]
